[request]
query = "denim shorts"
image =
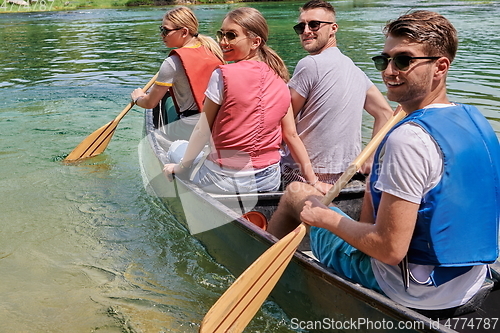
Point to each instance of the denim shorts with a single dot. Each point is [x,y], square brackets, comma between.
[176,152]
[263,180]
[345,259]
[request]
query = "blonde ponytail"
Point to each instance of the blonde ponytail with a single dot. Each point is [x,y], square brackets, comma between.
[273,60]
[212,45]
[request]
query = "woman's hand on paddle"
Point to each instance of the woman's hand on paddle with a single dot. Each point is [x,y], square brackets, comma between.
[171,169]
[137,93]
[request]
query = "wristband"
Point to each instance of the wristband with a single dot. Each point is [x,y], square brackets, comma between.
[315,182]
[135,100]
[182,166]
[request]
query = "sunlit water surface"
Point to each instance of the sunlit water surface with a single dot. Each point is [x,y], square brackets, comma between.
[84,248]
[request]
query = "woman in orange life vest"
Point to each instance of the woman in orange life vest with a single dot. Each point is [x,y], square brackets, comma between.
[245,116]
[185,71]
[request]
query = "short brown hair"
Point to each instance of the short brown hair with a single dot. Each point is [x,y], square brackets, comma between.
[318,4]
[429,28]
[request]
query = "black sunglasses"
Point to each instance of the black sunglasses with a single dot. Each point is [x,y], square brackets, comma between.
[228,34]
[313,26]
[164,31]
[401,61]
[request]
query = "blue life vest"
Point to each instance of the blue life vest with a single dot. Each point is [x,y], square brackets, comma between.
[458,220]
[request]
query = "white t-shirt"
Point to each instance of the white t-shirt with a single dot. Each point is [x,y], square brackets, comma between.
[215,88]
[413,165]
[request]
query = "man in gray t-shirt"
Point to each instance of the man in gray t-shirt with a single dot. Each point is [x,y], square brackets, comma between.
[329,93]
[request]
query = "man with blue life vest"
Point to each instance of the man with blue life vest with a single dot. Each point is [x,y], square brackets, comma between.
[430,219]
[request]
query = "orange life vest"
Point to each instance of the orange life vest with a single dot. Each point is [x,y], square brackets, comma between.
[198,63]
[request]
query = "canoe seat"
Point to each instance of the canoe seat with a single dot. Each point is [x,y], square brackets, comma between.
[258,196]
[472,305]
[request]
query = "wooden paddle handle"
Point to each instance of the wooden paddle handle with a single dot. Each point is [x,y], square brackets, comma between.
[362,157]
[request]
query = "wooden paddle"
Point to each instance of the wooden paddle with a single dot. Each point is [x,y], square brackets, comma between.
[237,306]
[96,142]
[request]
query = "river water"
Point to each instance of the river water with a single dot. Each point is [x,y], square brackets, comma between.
[84,248]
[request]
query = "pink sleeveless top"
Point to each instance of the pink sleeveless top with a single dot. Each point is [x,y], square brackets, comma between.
[247,129]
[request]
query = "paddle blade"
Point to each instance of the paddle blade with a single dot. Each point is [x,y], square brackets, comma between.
[94,144]
[97,142]
[237,306]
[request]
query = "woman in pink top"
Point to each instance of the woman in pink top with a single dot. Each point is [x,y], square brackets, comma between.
[246,115]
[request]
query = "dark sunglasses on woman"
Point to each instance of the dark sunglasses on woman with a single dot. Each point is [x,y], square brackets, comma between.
[313,26]
[402,62]
[229,35]
[164,31]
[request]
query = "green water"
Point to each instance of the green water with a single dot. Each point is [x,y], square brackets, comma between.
[83,248]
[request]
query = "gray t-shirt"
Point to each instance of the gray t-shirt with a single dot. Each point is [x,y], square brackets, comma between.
[172,73]
[330,122]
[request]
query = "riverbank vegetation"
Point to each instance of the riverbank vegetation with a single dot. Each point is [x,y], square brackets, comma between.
[43,5]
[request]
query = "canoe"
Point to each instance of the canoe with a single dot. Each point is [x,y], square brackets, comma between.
[313,296]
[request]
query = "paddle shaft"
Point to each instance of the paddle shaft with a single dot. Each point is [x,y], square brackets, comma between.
[95,143]
[362,157]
